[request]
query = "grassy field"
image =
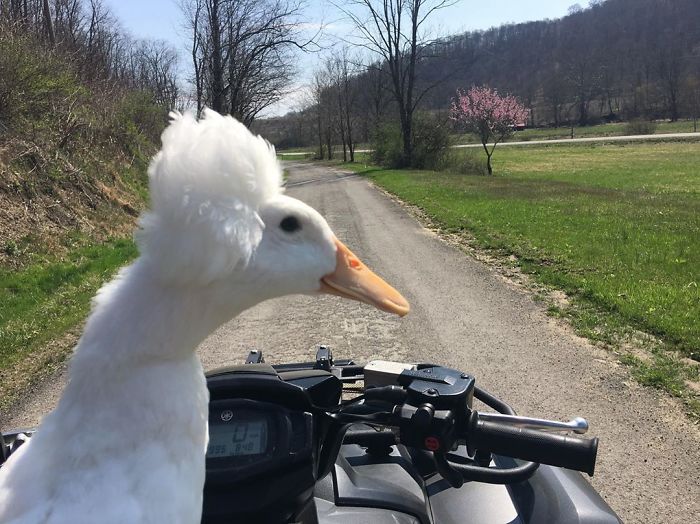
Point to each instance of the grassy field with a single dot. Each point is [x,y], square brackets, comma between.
[43,301]
[615,226]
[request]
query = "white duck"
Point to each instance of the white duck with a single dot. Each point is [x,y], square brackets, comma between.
[126,442]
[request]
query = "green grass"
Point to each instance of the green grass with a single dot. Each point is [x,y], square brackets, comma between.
[617,227]
[49,297]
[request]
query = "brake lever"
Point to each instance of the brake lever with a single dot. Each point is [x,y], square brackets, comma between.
[577,425]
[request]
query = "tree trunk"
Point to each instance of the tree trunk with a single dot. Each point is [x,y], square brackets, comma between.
[217,68]
[583,112]
[329,143]
[555,111]
[320,136]
[348,124]
[406,135]
[484,141]
[674,107]
[199,88]
[48,23]
[352,151]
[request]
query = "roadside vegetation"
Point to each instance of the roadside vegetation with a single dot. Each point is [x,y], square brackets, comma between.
[41,305]
[81,110]
[616,227]
[530,134]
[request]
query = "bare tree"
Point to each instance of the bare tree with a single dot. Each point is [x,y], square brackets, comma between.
[326,114]
[199,48]
[555,92]
[155,70]
[340,70]
[692,99]
[87,36]
[69,20]
[670,67]
[242,52]
[393,29]
[374,96]
[48,22]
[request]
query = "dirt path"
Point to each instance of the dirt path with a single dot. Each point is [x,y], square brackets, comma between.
[466,315]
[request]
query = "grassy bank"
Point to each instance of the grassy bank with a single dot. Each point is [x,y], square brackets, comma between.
[73,157]
[43,301]
[617,227]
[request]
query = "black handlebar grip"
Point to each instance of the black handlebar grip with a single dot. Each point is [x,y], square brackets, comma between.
[536,446]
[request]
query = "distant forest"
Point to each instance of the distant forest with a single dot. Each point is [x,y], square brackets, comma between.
[613,60]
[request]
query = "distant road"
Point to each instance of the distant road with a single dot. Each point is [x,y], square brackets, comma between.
[625,138]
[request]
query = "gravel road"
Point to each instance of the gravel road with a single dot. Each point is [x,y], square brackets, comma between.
[466,315]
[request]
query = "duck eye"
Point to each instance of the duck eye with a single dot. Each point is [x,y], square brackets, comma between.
[290,224]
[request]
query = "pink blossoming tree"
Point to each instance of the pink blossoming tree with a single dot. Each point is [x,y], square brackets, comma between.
[491,116]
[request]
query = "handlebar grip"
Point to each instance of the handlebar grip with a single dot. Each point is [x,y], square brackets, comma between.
[536,446]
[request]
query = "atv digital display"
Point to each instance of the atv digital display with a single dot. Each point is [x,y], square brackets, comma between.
[248,438]
[237,438]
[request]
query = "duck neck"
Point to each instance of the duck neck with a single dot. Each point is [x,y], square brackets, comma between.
[138,318]
[141,326]
[135,365]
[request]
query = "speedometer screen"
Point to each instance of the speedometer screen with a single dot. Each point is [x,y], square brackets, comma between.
[243,437]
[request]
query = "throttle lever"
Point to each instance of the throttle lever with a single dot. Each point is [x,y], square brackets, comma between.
[577,425]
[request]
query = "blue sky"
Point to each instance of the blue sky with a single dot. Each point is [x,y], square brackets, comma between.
[162,19]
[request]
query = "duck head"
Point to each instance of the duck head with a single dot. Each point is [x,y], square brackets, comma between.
[219,220]
[299,253]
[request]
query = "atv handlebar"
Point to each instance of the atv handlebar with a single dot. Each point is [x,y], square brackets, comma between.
[528,444]
[431,406]
[425,427]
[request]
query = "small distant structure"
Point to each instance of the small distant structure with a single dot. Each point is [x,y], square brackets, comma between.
[611,118]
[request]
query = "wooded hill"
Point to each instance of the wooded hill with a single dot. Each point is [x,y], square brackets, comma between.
[613,60]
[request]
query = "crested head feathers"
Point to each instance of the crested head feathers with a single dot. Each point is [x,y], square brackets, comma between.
[206,185]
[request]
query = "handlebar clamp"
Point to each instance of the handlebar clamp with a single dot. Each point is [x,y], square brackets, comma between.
[425,427]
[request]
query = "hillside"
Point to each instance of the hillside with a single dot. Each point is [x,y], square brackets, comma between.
[77,130]
[73,149]
[615,59]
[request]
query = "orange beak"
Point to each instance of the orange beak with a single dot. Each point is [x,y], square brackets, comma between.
[352,279]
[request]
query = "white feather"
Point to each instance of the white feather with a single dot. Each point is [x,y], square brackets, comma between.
[207,183]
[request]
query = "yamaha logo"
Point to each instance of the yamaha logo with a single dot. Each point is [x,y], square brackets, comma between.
[226,415]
